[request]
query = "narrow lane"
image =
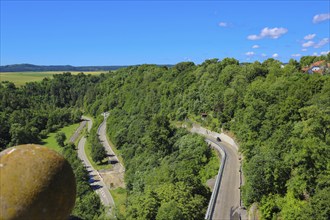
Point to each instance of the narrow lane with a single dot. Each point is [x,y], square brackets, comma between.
[227,206]
[76,134]
[95,179]
[116,165]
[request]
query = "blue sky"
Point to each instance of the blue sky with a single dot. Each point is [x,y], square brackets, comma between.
[160,32]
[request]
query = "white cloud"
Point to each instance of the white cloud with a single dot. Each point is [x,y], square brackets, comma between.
[315,54]
[321,17]
[250,53]
[275,55]
[325,52]
[304,49]
[253,37]
[322,42]
[223,24]
[255,46]
[308,44]
[263,55]
[296,55]
[272,33]
[309,37]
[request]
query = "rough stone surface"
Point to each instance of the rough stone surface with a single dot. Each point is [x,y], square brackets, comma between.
[36,183]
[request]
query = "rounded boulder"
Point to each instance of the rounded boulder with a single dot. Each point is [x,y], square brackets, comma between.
[36,183]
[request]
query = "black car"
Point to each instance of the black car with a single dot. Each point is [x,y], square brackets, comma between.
[218,139]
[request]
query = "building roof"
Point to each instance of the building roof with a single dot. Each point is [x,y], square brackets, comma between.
[317,63]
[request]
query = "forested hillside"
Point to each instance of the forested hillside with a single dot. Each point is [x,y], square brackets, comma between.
[29,113]
[280,116]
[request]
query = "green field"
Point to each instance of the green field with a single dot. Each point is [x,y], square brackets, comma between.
[20,78]
[50,141]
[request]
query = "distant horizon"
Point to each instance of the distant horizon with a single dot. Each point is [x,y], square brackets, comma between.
[84,65]
[139,64]
[86,33]
[171,64]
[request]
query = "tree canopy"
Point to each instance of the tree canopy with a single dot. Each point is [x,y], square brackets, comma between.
[280,116]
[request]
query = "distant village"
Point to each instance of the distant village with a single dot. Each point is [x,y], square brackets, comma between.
[321,67]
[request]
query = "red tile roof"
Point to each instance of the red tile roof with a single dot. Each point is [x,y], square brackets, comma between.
[317,63]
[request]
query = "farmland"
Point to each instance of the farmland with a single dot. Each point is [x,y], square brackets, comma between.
[20,78]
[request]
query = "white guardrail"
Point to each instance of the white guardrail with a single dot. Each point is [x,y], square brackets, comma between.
[216,188]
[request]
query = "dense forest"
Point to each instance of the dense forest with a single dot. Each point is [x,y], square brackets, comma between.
[279,115]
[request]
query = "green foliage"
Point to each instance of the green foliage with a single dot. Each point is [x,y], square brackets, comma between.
[270,206]
[318,206]
[169,211]
[280,117]
[88,204]
[29,113]
[50,140]
[119,195]
[60,138]
[210,170]
[307,60]
[98,152]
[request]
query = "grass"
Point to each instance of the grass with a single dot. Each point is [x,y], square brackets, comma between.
[119,195]
[50,141]
[21,78]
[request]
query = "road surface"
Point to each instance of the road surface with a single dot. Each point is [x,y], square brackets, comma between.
[76,134]
[227,204]
[116,165]
[95,179]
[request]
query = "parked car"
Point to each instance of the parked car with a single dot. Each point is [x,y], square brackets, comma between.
[218,139]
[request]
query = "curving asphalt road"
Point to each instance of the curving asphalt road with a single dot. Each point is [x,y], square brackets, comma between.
[95,179]
[227,204]
[76,134]
[116,165]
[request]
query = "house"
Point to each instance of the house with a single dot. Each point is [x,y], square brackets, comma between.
[319,67]
[315,68]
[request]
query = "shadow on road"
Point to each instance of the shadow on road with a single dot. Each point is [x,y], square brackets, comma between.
[89,171]
[96,187]
[233,214]
[113,162]
[93,180]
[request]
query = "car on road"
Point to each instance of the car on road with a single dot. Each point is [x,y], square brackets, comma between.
[218,139]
